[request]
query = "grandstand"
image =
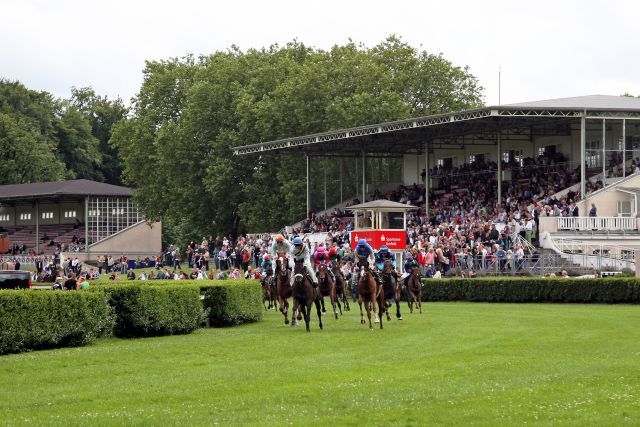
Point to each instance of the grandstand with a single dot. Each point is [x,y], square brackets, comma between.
[542,158]
[79,217]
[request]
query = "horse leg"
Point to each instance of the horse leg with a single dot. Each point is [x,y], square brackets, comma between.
[333,303]
[368,307]
[307,315]
[361,314]
[381,307]
[420,302]
[338,303]
[323,309]
[319,313]
[284,308]
[398,315]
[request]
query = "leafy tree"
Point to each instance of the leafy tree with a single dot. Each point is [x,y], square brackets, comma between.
[27,138]
[176,147]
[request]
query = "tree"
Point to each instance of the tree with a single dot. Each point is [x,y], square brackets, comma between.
[176,146]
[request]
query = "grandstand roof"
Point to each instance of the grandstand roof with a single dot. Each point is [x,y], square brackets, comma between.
[77,187]
[514,121]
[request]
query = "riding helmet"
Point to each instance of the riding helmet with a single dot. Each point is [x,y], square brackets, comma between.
[297,241]
[362,242]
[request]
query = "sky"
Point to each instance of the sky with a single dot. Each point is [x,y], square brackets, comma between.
[541,49]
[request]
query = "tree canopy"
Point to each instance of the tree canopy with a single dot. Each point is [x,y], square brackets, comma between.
[189,113]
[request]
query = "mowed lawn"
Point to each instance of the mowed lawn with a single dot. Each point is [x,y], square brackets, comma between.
[456,363]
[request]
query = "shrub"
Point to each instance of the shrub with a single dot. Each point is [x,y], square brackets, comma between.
[498,289]
[143,310]
[32,320]
[234,302]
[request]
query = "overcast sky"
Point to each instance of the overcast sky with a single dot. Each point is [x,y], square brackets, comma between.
[546,49]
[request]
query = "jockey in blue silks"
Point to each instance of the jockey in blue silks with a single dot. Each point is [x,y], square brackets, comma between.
[365,256]
[385,254]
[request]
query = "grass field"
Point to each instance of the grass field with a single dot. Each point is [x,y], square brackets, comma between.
[457,363]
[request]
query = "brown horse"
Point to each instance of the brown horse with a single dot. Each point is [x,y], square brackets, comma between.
[283,288]
[369,294]
[327,288]
[414,289]
[341,286]
[269,293]
[392,289]
[304,295]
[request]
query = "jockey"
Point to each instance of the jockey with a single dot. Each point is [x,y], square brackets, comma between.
[281,247]
[333,254]
[321,257]
[300,252]
[364,255]
[408,266]
[385,254]
[267,266]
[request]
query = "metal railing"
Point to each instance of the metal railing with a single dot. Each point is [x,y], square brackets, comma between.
[538,264]
[597,255]
[615,223]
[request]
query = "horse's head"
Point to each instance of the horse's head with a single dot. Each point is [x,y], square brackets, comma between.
[388,266]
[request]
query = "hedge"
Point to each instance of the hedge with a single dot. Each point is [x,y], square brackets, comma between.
[571,290]
[225,302]
[234,303]
[31,319]
[142,310]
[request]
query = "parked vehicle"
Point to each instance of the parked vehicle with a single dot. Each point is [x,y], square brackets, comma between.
[15,279]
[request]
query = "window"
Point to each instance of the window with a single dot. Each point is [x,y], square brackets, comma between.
[25,216]
[4,218]
[472,158]
[70,214]
[541,151]
[624,208]
[47,215]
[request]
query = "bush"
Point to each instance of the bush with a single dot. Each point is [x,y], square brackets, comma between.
[225,302]
[497,289]
[143,310]
[31,320]
[234,302]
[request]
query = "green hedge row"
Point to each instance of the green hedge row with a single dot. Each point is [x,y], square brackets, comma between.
[224,302]
[602,290]
[32,320]
[153,310]
[231,304]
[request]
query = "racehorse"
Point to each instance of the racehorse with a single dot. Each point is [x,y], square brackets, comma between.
[392,289]
[283,288]
[269,293]
[327,288]
[341,286]
[369,294]
[303,293]
[414,289]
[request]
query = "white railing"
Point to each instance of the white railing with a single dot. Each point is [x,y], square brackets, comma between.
[597,255]
[614,223]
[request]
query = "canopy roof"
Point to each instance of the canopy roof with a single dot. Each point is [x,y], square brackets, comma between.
[381,205]
[515,122]
[77,187]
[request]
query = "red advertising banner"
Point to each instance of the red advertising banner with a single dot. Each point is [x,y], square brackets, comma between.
[394,239]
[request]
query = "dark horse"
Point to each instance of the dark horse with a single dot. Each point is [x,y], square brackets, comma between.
[414,289]
[392,289]
[304,295]
[269,293]
[327,288]
[369,294]
[283,288]
[341,286]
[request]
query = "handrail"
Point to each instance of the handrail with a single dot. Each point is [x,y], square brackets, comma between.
[615,223]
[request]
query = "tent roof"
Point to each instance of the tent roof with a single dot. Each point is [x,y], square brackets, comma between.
[383,205]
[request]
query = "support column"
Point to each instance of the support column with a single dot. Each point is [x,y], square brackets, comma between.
[325,187]
[583,146]
[37,227]
[341,199]
[604,154]
[426,182]
[86,225]
[624,148]
[364,177]
[308,198]
[499,168]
